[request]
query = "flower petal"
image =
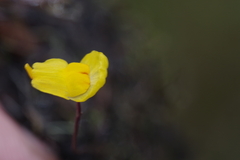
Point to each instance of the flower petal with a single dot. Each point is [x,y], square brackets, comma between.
[48,67]
[54,85]
[77,79]
[29,70]
[56,63]
[98,64]
[48,77]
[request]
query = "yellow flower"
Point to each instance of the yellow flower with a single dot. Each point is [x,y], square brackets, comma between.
[73,81]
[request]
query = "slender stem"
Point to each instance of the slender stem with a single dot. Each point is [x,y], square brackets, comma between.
[76,125]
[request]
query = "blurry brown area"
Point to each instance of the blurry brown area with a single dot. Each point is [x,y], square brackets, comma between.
[128,119]
[17,38]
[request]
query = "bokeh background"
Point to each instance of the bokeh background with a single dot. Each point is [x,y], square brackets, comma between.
[173,88]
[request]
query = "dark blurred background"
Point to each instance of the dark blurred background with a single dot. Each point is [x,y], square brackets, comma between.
[172,92]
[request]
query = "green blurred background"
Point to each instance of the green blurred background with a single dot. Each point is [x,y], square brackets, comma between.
[196,44]
[173,88]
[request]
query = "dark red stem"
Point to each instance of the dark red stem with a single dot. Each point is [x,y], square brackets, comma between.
[76,125]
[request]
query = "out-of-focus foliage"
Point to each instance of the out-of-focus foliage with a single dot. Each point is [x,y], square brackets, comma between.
[127,119]
[172,91]
[196,45]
